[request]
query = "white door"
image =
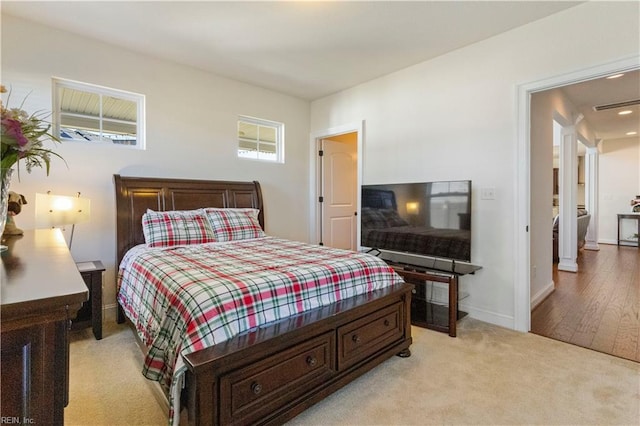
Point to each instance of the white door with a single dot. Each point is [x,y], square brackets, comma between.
[339,196]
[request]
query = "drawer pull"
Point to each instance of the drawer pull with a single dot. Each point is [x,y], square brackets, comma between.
[312,361]
[355,338]
[386,323]
[256,388]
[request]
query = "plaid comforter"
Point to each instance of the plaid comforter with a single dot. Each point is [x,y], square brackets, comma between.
[451,243]
[187,298]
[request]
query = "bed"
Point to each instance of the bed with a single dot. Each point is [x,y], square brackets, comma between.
[282,364]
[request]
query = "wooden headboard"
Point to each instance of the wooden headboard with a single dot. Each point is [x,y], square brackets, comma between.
[134,195]
[379,198]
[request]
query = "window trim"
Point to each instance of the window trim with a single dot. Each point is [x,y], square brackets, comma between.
[139,99]
[279,143]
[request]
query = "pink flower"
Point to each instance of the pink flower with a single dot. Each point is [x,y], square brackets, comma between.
[13,129]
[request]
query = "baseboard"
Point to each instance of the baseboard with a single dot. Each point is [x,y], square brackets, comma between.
[607,241]
[542,294]
[109,311]
[495,318]
[567,266]
[438,293]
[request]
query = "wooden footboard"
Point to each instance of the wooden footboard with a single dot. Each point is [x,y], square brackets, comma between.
[270,375]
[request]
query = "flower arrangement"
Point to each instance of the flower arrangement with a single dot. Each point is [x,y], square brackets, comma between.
[22,136]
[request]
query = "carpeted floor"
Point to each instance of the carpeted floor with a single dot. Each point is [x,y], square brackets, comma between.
[487,375]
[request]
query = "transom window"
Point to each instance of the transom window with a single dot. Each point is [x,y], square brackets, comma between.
[260,139]
[94,114]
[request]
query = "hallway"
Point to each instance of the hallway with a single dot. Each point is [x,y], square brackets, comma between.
[598,307]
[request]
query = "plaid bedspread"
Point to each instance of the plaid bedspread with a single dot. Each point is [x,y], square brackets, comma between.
[188,298]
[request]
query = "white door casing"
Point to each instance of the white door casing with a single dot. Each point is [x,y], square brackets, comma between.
[591,197]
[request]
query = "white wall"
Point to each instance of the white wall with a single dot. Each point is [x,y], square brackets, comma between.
[455,117]
[546,107]
[619,183]
[191,133]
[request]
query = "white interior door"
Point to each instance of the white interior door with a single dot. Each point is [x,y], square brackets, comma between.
[339,192]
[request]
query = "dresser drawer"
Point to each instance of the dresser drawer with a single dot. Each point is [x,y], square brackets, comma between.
[263,387]
[367,335]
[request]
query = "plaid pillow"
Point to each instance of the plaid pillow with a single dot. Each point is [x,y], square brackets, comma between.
[373,218]
[234,224]
[393,218]
[173,228]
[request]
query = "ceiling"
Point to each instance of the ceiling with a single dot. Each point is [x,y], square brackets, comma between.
[607,123]
[303,48]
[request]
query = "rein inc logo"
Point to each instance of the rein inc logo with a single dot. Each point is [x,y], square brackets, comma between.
[7,420]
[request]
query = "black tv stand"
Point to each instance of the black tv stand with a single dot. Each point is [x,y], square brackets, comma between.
[424,313]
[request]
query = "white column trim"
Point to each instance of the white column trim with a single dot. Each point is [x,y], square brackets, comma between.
[568,223]
[591,161]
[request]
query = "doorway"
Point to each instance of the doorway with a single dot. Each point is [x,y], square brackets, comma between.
[339,191]
[527,254]
[335,179]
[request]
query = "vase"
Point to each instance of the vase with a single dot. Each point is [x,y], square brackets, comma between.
[4,200]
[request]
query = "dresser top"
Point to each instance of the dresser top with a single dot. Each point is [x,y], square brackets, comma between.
[39,275]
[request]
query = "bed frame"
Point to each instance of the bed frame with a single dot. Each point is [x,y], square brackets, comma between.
[272,373]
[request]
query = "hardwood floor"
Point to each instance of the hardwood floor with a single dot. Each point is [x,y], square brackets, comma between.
[599,306]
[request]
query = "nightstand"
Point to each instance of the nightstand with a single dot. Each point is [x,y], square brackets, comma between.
[91,312]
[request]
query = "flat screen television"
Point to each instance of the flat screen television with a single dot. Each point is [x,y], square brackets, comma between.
[426,224]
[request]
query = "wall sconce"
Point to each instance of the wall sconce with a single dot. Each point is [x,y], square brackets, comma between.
[413,207]
[53,211]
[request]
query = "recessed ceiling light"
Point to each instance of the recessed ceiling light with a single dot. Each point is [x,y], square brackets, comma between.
[631,133]
[625,112]
[611,77]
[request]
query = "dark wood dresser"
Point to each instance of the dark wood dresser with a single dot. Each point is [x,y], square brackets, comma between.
[41,291]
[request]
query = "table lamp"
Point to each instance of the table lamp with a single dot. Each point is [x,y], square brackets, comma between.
[53,211]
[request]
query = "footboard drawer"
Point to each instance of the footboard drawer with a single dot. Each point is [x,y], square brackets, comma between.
[362,338]
[267,385]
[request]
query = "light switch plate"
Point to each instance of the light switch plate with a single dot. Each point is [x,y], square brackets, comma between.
[488,193]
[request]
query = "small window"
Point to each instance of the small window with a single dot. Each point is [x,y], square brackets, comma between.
[93,114]
[260,139]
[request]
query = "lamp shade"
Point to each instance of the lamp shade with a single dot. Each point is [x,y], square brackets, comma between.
[58,210]
[413,207]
